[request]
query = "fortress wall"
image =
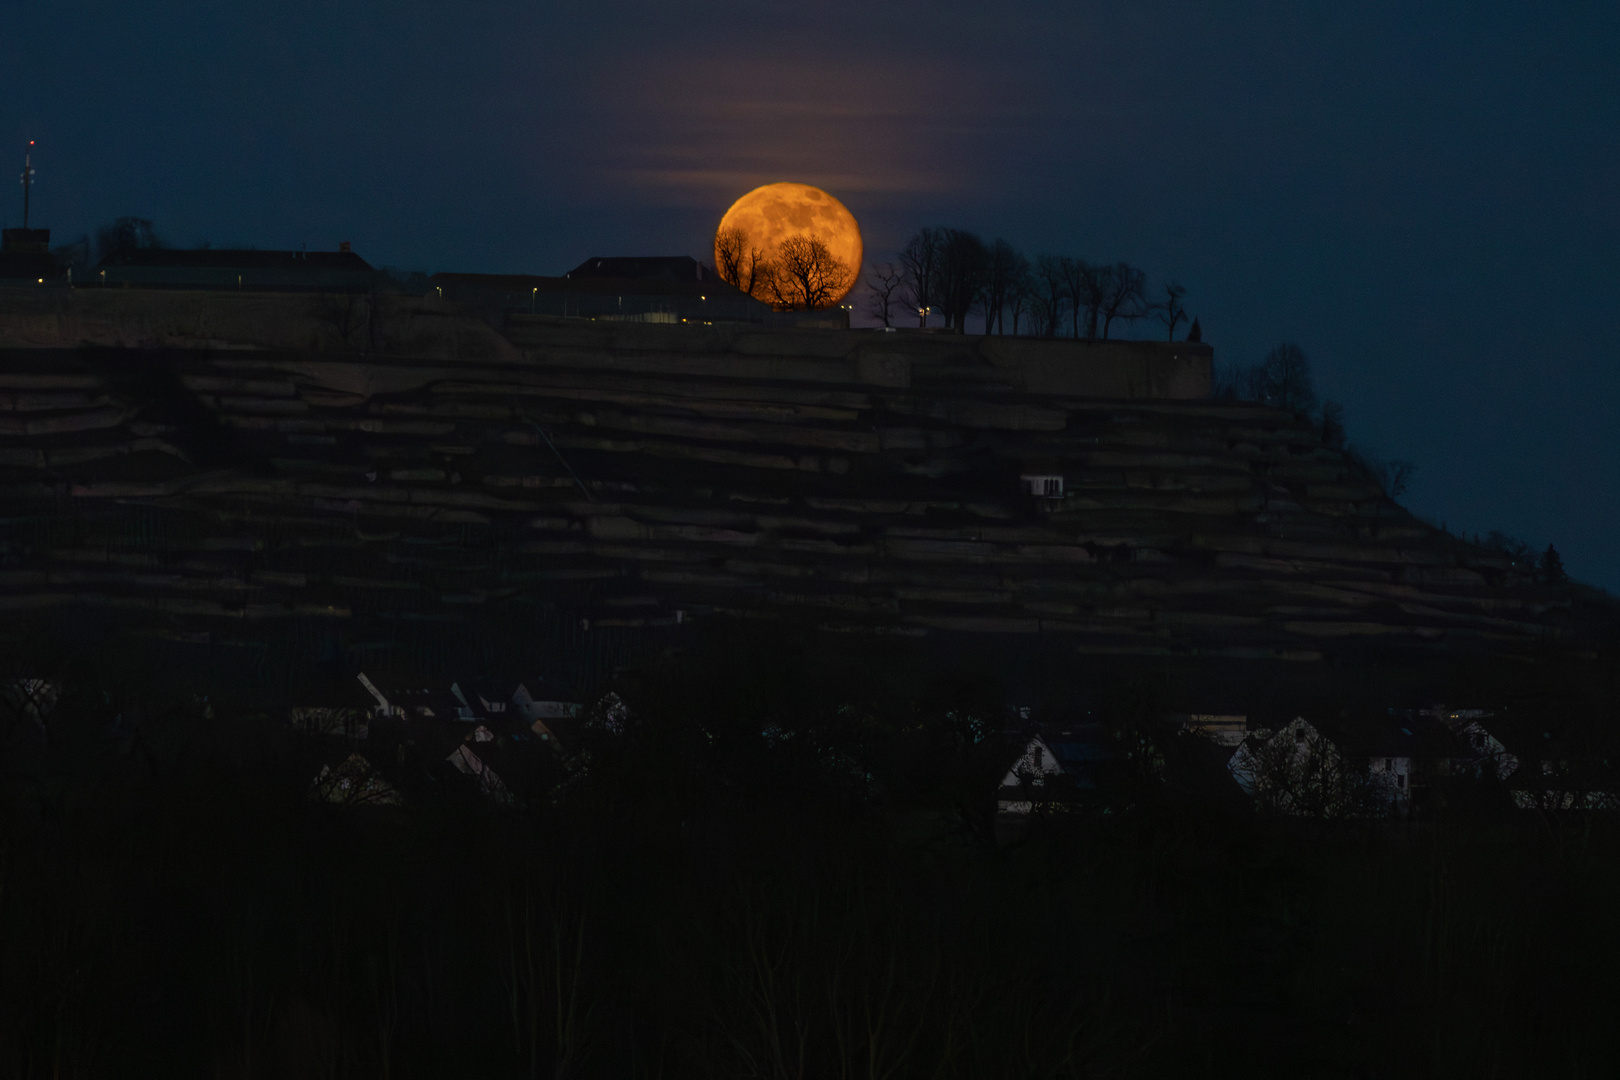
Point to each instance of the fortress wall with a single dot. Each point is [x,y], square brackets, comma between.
[1114,369]
[429,329]
[44,317]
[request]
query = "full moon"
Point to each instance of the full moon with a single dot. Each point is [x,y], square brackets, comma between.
[771,214]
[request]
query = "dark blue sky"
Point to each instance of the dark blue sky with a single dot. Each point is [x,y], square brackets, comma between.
[1428,202]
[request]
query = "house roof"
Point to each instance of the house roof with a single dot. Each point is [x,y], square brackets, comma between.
[1078,745]
[1074,747]
[1392,734]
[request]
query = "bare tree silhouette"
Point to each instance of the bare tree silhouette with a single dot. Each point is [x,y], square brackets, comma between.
[1171,311]
[963,259]
[1050,293]
[740,263]
[1126,296]
[1094,286]
[126,234]
[919,260]
[999,271]
[1020,290]
[883,287]
[808,275]
[1285,379]
[1075,273]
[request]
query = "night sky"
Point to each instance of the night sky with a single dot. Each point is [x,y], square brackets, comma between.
[1427,202]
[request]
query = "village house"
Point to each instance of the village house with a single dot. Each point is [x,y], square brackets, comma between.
[485,730]
[1488,753]
[1383,765]
[1054,766]
[1222,730]
[1295,769]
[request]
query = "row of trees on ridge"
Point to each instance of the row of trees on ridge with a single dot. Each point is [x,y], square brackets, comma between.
[956,274]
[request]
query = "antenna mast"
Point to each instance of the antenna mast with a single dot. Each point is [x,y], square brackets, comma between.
[27,179]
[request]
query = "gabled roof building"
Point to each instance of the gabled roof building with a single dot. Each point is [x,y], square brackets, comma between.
[1055,763]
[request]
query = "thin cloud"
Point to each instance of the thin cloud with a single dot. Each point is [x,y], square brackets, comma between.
[721,125]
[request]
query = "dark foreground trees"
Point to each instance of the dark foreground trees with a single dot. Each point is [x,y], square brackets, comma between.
[752,877]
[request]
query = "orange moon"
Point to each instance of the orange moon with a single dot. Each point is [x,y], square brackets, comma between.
[772,213]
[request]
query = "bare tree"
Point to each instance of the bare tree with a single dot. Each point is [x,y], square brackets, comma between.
[1020,290]
[1126,296]
[127,234]
[808,275]
[1392,476]
[1075,273]
[998,272]
[1050,294]
[1333,429]
[961,268]
[742,264]
[1285,379]
[1298,771]
[730,247]
[346,314]
[1171,311]
[1282,380]
[1095,285]
[883,287]
[919,261]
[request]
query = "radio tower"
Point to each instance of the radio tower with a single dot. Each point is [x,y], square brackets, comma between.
[27,179]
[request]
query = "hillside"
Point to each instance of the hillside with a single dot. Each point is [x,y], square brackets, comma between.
[285,477]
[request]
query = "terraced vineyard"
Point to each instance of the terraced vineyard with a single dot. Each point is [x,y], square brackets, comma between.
[593,486]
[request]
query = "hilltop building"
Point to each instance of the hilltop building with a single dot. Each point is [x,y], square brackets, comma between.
[644,289]
[25,256]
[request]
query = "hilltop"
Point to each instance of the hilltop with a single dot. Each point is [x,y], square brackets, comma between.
[400,482]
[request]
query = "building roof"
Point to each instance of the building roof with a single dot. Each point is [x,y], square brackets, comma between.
[647,268]
[1077,746]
